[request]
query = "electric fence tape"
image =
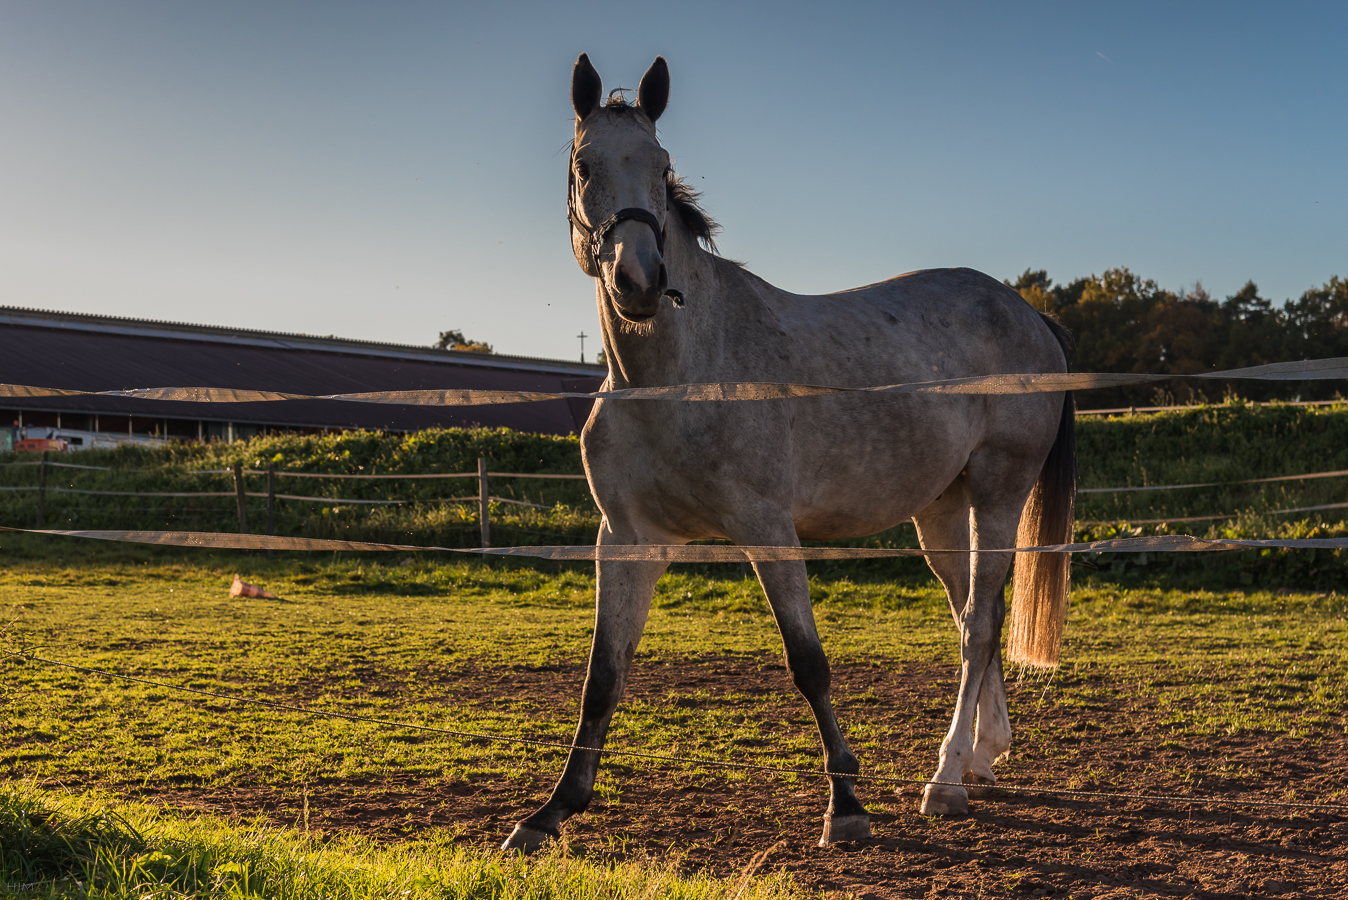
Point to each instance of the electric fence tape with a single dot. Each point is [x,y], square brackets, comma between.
[679,553]
[1008,383]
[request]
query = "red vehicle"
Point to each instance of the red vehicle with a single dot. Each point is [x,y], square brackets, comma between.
[38,445]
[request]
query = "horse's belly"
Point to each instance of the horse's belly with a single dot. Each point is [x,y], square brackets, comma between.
[864,508]
[865,464]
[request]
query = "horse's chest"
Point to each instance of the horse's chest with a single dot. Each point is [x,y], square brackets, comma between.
[686,453]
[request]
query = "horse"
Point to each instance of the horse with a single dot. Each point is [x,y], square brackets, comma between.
[971,471]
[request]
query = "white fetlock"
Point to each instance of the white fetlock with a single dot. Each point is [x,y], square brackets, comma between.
[527,840]
[945,800]
[845,828]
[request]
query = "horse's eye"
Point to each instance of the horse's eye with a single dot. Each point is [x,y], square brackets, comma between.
[582,170]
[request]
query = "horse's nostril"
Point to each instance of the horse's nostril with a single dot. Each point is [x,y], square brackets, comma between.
[623,282]
[662,281]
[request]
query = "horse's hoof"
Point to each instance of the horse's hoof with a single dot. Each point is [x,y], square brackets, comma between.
[845,828]
[978,785]
[527,840]
[945,800]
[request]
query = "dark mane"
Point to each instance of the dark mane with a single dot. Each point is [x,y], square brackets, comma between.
[684,200]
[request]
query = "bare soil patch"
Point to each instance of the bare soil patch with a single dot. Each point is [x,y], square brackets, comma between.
[1009,846]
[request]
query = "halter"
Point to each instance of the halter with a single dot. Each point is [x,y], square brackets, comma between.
[598,235]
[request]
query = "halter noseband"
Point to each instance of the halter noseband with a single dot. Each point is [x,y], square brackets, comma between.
[598,235]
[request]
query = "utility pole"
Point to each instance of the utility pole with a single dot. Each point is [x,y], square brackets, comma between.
[582,337]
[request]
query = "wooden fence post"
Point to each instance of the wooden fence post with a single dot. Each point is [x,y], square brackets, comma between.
[41,488]
[271,503]
[238,492]
[483,502]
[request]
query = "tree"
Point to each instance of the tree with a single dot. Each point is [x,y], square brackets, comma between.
[1123,323]
[1034,285]
[1318,322]
[1317,328]
[454,340]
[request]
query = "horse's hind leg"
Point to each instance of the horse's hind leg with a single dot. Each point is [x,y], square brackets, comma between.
[788,591]
[992,733]
[622,605]
[977,604]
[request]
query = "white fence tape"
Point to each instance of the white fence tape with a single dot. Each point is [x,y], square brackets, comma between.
[1006,383]
[700,553]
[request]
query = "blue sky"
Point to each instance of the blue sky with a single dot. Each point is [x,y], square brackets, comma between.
[389,171]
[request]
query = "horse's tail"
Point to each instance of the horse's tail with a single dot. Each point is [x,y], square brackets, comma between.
[1039,593]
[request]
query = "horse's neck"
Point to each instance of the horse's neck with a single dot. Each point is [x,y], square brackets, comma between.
[678,346]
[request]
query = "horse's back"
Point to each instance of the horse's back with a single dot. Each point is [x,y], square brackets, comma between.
[862,462]
[926,325]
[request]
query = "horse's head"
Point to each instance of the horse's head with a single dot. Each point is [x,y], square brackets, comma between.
[617,191]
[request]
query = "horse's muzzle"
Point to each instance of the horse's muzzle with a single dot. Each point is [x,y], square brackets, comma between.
[637,295]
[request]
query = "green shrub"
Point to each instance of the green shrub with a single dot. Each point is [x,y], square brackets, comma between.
[1222,443]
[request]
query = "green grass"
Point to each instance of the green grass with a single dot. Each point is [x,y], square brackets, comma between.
[63,846]
[413,629]
[427,643]
[1215,662]
[446,644]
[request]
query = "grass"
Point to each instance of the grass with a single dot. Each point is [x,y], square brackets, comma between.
[376,639]
[431,642]
[53,845]
[1165,655]
[499,647]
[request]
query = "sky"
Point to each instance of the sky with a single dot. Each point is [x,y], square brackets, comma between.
[390,171]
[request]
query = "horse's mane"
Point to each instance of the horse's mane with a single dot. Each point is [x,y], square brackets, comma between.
[684,200]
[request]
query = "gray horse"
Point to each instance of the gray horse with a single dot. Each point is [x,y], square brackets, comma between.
[774,472]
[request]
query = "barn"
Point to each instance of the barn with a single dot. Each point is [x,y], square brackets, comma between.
[96,353]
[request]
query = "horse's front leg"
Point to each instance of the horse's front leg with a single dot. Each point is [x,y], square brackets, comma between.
[623,602]
[788,591]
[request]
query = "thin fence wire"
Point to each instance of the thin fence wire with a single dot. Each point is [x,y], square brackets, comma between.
[683,760]
[1205,484]
[263,496]
[1132,410]
[1222,517]
[420,475]
[1336,473]
[347,475]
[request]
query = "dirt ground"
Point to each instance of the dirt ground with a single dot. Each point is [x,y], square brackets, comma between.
[1010,845]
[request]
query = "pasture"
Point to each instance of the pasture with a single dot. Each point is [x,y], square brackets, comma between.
[1196,694]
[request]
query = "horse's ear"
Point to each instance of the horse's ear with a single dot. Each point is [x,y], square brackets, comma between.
[586,87]
[653,93]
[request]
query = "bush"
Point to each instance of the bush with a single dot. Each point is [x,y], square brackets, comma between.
[1229,442]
